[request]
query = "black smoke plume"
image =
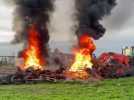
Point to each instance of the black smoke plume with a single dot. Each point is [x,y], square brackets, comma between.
[90,12]
[29,12]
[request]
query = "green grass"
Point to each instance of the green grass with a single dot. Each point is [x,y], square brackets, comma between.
[116,89]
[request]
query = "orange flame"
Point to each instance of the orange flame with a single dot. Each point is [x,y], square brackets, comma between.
[83,58]
[32,54]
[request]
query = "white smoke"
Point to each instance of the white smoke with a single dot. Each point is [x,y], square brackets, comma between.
[63,21]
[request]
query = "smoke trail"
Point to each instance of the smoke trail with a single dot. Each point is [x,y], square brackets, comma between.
[90,12]
[29,12]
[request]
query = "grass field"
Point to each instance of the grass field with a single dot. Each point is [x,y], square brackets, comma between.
[116,89]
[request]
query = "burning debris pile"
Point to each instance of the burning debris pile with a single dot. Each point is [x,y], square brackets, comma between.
[31,20]
[32,17]
[108,65]
[83,59]
[89,13]
[32,54]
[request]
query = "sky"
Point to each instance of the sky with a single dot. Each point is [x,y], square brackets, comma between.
[119,25]
[6,16]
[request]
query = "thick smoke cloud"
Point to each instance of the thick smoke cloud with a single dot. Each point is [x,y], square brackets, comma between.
[90,12]
[29,12]
[32,12]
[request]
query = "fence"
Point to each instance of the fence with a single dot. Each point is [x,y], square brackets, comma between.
[5,60]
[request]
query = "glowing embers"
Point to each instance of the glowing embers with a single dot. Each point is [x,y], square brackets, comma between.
[32,55]
[83,59]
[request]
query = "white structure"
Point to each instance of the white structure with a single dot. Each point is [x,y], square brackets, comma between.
[128,51]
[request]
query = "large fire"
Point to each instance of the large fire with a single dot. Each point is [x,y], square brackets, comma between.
[32,54]
[83,58]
